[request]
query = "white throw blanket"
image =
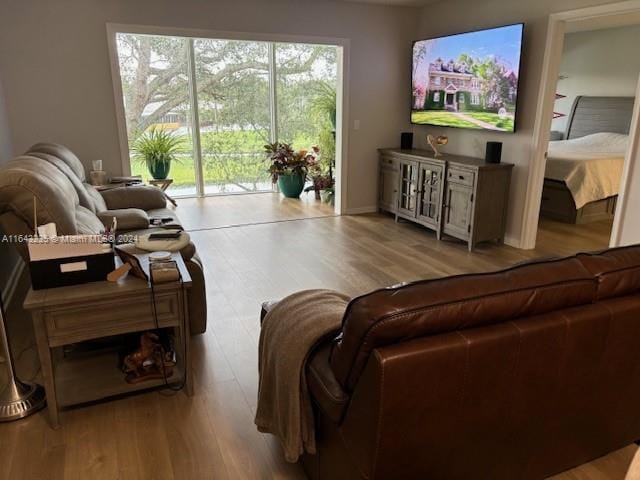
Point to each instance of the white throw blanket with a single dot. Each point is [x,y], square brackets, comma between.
[289,332]
[590,166]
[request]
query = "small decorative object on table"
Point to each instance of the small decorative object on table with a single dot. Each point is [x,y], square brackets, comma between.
[440,140]
[149,362]
[289,168]
[97,175]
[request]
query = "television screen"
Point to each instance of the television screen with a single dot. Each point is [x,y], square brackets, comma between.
[469,80]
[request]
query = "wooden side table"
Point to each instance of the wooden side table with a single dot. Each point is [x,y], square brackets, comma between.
[163,185]
[66,315]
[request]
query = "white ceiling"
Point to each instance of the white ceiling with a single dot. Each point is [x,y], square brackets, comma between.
[397,3]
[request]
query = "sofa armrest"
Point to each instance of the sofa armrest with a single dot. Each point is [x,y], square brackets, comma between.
[323,385]
[144,197]
[324,388]
[128,218]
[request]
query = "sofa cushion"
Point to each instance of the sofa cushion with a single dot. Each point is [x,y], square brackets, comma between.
[438,306]
[83,196]
[64,154]
[26,178]
[87,222]
[128,218]
[98,201]
[323,385]
[617,270]
[145,197]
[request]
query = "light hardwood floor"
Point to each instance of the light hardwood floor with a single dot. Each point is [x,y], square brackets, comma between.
[232,210]
[212,436]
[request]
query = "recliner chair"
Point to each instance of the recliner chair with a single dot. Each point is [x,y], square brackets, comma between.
[55,176]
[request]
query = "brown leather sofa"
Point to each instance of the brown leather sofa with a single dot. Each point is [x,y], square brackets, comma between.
[56,178]
[514,375]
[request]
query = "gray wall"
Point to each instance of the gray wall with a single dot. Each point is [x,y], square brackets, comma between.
[8,256]
[463,15]
[58,77]
[600,62]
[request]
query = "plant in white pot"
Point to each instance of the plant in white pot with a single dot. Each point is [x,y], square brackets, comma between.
[157,149]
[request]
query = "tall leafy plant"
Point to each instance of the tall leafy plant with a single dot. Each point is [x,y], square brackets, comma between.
[324,102]
[157,148]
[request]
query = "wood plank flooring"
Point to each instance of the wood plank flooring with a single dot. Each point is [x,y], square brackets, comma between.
[232,210]
[212,436]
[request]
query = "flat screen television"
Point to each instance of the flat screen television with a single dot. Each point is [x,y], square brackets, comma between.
[468,80]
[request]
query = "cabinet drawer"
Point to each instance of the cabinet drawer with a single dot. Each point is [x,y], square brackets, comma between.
[388,163]
[100,319]
[464,177]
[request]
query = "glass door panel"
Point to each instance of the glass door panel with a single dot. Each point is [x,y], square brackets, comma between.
[306,82]
[430,193]
[408,187]
[232,79]
[154,72]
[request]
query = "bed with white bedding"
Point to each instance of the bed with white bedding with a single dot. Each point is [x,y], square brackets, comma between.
[582,177]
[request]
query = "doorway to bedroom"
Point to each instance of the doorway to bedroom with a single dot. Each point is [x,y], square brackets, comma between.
[589,138]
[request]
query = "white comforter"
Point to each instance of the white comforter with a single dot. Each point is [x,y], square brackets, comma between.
[590,166]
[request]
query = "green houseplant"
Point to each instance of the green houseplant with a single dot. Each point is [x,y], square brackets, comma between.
[324,102]
[289,168]
[157,148]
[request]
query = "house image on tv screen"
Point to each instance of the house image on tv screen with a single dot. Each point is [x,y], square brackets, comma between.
[453,87]
[467,80]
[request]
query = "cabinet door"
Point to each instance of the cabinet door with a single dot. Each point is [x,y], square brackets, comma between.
[407,192]
[457,210]
[430,194]
[388,188]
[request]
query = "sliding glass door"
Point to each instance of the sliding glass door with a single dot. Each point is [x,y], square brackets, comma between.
[233,105]
[154,71]
[224,100]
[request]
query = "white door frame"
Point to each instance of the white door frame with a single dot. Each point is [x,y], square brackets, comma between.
[544,115]
[342,91]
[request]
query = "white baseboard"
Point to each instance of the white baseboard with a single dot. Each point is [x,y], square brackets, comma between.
[361,210]
[13,281]
[512,241]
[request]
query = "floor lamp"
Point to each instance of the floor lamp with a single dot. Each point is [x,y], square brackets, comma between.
[18,399]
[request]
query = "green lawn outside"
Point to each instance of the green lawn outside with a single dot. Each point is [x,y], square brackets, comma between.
[494,119]
[446,119]
[449,119]
[228,158]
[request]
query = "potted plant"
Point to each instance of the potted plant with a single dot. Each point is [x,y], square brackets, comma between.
[157,148]
[323,185]
[289,168]
[324,102]
[328,195]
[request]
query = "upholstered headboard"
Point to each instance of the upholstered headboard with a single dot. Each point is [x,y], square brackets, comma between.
[599,114]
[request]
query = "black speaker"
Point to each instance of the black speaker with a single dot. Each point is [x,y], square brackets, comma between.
[406,140]
[493,152]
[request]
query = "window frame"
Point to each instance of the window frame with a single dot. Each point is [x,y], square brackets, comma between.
[343,46]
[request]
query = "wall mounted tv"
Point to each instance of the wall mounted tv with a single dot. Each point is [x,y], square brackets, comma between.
[468,80]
